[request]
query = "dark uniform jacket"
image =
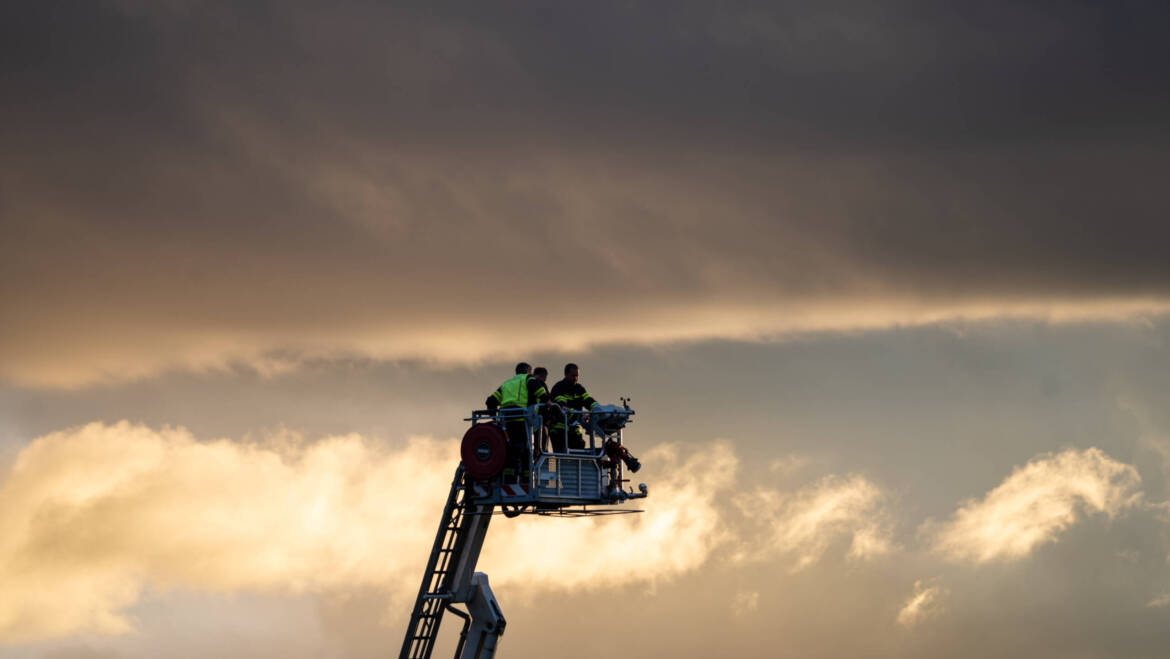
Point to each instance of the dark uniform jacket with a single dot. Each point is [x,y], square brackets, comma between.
[572,396]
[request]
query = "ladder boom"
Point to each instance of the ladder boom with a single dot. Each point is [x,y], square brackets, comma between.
[449,575]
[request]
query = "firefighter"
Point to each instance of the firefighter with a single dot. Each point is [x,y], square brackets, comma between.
[517,393]
[569,394]
[547,414]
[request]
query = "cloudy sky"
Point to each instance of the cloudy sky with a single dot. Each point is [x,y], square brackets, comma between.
[888,284]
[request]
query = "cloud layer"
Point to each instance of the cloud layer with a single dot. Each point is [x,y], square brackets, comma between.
[93,517]
[96,518]
[189,187]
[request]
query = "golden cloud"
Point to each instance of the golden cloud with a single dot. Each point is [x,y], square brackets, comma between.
[805,523]
[92,516]
[135,348]
[1035,504]
[925,602]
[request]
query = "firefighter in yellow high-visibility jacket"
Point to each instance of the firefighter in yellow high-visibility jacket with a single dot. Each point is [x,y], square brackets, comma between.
[516,393]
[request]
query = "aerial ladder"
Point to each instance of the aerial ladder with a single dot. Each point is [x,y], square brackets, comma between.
[576,482]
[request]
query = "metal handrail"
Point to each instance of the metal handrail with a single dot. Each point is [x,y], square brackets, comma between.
[534,424]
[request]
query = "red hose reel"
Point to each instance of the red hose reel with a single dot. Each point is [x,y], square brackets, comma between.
[484,449]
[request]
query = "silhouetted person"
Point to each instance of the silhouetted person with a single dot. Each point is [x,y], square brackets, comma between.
[541,443]
[571,395]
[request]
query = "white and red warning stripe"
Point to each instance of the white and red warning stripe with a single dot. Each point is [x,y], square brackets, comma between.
[514,490]
[505,490]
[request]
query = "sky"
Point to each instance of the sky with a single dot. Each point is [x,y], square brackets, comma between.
[888,286]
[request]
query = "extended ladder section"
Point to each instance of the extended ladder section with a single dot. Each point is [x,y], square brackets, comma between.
[450,578]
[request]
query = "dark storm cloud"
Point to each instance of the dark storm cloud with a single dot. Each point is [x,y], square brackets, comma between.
[910,73]
[199,182]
